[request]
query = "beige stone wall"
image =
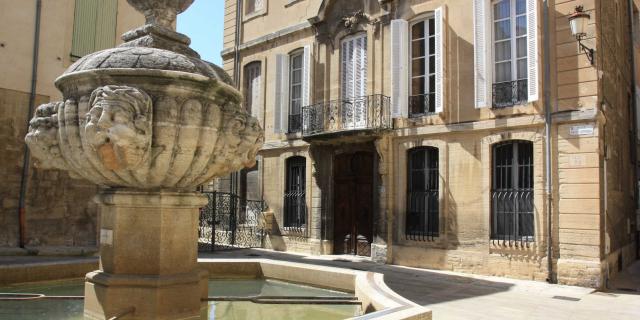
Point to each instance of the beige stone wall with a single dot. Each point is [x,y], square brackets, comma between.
[590,200]
[59,210]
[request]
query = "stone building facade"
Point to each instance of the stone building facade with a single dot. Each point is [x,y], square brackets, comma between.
[58,210]
[414,131]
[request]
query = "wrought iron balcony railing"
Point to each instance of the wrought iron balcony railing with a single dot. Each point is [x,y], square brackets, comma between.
[421,105]
[365,113]
[508,94]
[295,123]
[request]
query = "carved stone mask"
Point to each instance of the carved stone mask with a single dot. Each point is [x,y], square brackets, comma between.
[119,126]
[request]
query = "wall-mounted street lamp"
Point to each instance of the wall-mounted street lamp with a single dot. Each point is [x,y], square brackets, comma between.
[578,22]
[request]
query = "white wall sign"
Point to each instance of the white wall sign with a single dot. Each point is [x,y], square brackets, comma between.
[584,130]
[106,237]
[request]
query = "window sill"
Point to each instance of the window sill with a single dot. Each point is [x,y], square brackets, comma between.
[293,135]
[291,2]
[512,246]
[250,16]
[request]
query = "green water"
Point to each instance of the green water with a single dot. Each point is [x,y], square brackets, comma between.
[218,310]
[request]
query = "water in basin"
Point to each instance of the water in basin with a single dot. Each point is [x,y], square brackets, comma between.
[71,309]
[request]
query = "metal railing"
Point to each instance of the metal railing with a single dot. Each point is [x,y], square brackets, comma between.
[508,94]
[422,105]
[295,211]
[512,217]
[422,222]
[364,113]
[295,123]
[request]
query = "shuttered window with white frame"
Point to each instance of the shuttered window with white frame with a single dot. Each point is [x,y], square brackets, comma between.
[281,94]
[252,88]
[506,52]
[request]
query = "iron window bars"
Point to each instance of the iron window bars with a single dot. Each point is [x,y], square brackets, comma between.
[295,213]
[363,113]
[512,214]
[423,220]
[422,105]
[507,94]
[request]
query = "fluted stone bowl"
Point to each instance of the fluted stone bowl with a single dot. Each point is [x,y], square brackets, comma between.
[145,118]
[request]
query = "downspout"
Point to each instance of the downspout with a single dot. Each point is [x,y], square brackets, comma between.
[235,177]
[634,148]
[32,102]
[551,278]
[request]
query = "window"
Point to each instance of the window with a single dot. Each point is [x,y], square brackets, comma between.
[94,26]
[512,192]
[506,52]
[252,87]
[295,91]
[423,68]
[422,222]
[295,213]
[417,66]
[510,52]
[255,6]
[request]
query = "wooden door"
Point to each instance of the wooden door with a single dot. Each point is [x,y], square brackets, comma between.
[353,203]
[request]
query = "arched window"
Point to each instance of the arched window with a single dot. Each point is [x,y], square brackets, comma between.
[423,218]
[512,192]
[252,75]
[295,213]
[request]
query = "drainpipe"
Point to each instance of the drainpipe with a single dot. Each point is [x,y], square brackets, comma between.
[235,177]
[634,150]
[32,102]
[551,278]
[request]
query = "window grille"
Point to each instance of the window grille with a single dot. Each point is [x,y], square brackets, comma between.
[295,213]
[422,222]
[512,193]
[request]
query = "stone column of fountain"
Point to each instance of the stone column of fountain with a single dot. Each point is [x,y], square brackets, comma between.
[149,121]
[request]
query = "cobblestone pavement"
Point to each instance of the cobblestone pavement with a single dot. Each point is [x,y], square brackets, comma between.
[454,295]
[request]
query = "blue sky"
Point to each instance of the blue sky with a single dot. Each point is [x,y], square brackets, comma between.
[203,22]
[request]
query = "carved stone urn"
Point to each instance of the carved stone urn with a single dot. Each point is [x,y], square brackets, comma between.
[149,121]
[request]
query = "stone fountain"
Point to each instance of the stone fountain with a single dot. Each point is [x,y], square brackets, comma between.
[149,122]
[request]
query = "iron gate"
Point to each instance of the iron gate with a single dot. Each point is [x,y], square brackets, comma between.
[230,222]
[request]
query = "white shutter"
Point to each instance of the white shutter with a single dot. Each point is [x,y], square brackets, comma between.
[306,76]
[256,105]
[281,107]
[439,33]
[480,53]
[532,48]
[399,68]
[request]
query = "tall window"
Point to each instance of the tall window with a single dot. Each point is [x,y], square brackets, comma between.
[295,91]
[423,68]
[512,192]
[94,26]
[510,82]
[254,6]
[423,197]
[295,215]
[252,87]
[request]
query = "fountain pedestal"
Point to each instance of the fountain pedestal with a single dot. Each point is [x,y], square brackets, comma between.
[148,256]
[149,121]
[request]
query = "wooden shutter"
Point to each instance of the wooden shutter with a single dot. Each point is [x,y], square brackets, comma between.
[256,106]
[281,93]
[347,69]
[306,76]
[480,53]
[532,49]
[399,68]
[94,26]
[439,57]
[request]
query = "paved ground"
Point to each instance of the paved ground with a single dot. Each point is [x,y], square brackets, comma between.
[461,296]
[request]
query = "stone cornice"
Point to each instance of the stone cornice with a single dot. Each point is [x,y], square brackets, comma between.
[266,38]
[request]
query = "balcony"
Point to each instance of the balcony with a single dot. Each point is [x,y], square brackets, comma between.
[511,93]
[360,115]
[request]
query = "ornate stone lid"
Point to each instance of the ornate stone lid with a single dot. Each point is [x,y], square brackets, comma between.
[153,46]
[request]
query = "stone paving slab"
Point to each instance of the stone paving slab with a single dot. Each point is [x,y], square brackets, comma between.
[453,295]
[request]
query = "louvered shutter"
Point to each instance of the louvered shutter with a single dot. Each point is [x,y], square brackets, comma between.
[480,53]
[281,94]
[399,68]
[106,24]
[347,70]
[439,37]
[532,49]
[306,76]
[255,91]
[94,26]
